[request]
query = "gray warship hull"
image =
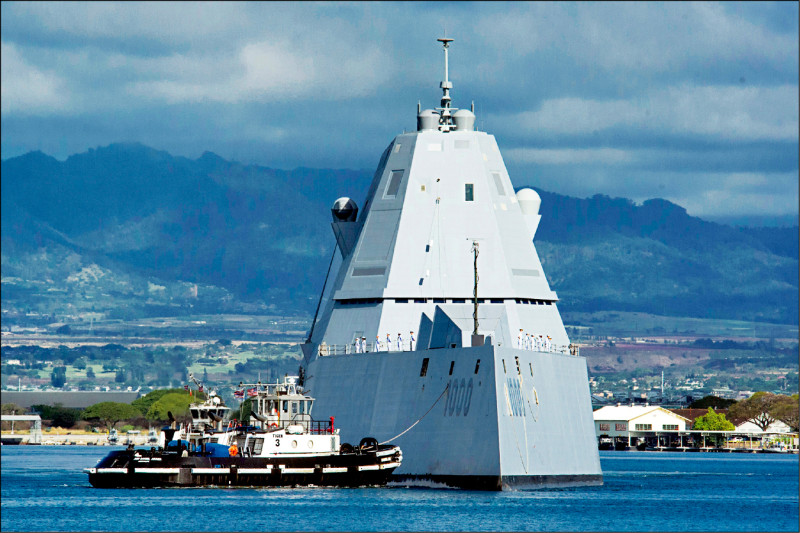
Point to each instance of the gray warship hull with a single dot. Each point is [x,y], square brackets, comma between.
[500,418]
[421,340]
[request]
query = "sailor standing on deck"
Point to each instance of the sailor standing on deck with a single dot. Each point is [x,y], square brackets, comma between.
[377,343]
[540,345]
[388,343]
[363,345]
[519,340]
[411,342]
[399,343]
[357,344]
[547,344]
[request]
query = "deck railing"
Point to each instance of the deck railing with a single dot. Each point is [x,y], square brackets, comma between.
[316,427]
[325,350]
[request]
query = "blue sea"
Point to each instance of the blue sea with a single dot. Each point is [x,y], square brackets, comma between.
[44,489]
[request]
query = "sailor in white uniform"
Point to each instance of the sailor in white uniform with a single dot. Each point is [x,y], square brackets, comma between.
[399,343]
[411,342]
[519,340]
[547,344]
[363,345]
[388,343]
[377,343]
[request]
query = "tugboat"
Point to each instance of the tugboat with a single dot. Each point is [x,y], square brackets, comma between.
[113,437]
[281,446]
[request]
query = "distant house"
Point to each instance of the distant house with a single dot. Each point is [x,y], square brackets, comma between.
[625,420]
[724,392]
[775,427]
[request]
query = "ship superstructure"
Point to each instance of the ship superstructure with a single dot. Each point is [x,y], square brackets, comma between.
[442,333]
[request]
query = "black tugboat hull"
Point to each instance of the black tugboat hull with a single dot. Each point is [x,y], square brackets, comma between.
[123,469]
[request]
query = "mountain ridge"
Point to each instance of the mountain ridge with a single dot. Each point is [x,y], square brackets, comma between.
[262,234]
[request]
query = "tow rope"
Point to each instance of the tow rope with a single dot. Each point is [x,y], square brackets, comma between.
[420,418]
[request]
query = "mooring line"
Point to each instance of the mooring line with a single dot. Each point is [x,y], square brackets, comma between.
[420,418]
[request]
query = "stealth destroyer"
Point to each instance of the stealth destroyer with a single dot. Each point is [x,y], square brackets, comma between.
[441,333]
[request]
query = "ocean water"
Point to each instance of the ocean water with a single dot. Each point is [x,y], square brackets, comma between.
[44,489]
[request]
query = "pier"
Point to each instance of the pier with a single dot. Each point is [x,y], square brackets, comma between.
[702,441]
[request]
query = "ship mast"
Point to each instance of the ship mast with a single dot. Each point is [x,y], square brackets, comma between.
[446,85]
[475,289]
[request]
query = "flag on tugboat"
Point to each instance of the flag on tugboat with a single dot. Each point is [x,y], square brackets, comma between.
[252,393]
[200,388]
[186,387]
[239,395]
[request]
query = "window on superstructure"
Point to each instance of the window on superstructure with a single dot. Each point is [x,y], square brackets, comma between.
[498,183]
[504,366]
[452,364]
[477,365]
[469,195]
[258,446]
[394,184]
[424,370]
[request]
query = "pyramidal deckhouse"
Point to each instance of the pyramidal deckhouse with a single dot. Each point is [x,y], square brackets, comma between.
[441,333]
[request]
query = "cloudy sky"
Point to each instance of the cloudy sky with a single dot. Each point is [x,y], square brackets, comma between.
[696,103]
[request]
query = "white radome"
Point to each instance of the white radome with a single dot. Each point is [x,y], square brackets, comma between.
[529,201]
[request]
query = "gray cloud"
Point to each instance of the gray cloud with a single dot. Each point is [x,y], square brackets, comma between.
[695,102]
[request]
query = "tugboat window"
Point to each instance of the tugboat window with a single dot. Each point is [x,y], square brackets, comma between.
[257,446]
[452,364]
[477,365]
[424,369]
[468,192]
